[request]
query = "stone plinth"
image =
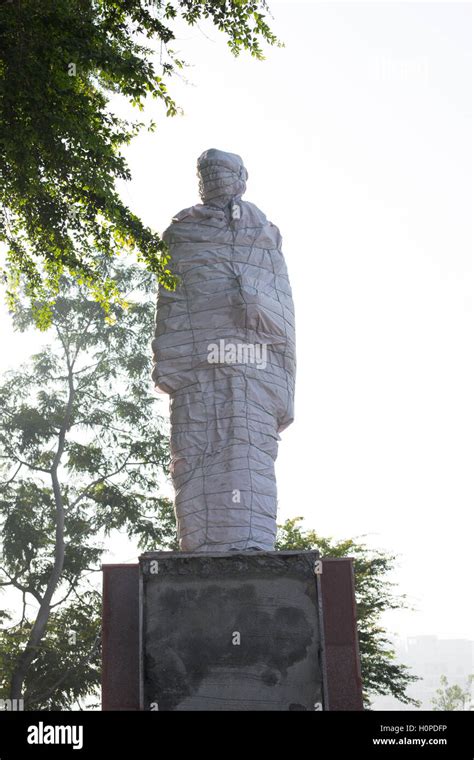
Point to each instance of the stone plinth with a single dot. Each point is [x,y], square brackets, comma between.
[121,666]
[235,631]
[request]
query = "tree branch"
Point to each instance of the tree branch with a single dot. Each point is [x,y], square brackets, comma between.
[39,626]
[96,482]
[10,480]
[72,588]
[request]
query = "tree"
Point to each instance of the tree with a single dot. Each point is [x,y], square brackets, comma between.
[66,668]
[82,449]
[60,142]
[453,697]
[381,674]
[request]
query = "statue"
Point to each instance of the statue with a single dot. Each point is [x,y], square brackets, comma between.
[224,350]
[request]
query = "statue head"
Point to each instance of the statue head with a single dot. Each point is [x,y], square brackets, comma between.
[222,177]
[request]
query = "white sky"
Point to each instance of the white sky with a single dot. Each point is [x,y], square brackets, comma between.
[357,139]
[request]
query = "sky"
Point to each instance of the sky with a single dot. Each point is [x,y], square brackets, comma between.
[357,139]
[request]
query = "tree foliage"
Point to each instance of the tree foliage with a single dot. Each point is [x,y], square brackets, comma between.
[66,669]
[375,594]
[81,453]
[61,143]
[453,697]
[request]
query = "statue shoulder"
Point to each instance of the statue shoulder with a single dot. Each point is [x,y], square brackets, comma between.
[257,214]
[254,217]
[191,215]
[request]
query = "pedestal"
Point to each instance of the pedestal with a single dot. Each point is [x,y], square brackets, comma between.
[243,631]
[235,631]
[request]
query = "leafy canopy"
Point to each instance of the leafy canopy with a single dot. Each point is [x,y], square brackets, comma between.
[82,451]
[60,142]
[381,674]
[67,666]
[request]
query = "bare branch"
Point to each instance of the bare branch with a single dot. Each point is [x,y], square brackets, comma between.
[29,465]
[72,588]
[13,581]
[10,480]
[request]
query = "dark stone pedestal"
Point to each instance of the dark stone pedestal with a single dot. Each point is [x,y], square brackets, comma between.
[236,631]
[243,631]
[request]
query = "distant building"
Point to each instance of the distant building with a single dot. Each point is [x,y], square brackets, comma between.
[429,658]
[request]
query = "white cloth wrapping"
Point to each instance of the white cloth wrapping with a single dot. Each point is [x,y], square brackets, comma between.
[224,350]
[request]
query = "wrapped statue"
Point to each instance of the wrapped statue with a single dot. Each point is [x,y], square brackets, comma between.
[224,351]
